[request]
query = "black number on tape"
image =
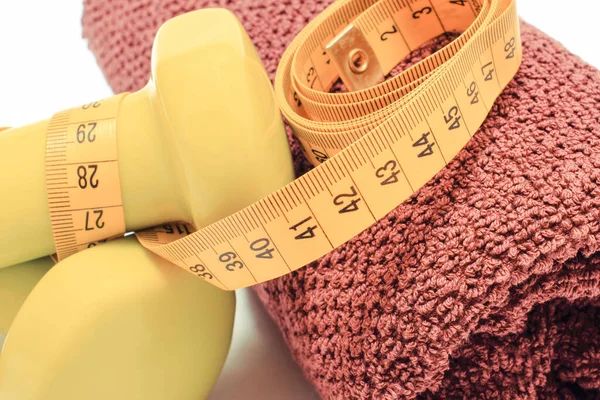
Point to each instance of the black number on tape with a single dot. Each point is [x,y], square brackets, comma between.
[95,104]
[298,102]
[311,77]
[82,174]
[181,229]
[262,245]
[99,224]
[83,132]
[424,10]
[424,141]
[458,2]
[94,244]
[490,74]
[308,233]
[472,92]
[352,205]
[231,266]
[385,35]
[452,115]
[199,270]
[389,171]
[509,48]
[320,156]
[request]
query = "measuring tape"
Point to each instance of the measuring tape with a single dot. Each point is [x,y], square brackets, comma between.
[377,144]
[81,151]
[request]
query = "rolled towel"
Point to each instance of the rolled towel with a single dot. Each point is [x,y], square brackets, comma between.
[486,282]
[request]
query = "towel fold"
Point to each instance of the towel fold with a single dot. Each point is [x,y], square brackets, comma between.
[486,282]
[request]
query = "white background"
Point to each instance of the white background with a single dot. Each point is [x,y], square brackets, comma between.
[45,66]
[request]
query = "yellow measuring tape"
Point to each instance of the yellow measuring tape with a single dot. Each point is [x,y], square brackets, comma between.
[81,151]
[382,140]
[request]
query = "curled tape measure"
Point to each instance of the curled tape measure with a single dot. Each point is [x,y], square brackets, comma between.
[381,141]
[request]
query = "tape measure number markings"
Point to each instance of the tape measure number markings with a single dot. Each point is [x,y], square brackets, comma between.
[364,178]
[82,176]
[381,143]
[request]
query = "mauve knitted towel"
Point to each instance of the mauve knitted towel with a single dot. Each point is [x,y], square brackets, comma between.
[486,283]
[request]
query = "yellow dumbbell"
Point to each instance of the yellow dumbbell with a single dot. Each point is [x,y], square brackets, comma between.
[117,322]
[203,139]
[15,284]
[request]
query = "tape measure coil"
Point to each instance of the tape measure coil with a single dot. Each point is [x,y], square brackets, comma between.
[380,143]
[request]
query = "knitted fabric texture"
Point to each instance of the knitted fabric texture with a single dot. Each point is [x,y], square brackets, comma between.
[484,284]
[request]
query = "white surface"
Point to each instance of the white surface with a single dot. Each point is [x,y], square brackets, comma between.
[259,365]
[45,67]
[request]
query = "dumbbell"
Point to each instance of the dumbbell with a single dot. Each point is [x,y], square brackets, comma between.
[203,139]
